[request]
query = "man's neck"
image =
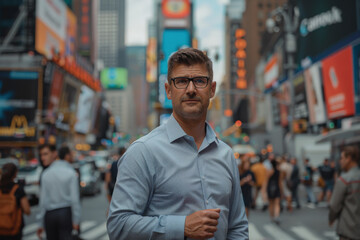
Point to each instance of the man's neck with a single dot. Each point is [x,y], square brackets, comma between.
[352,165]
[194,128]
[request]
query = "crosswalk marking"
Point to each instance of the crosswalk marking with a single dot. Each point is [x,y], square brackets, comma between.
[95,233]
[30,228]
[254,234]
[276,232]
[84,226]
[330,235]
[303,233]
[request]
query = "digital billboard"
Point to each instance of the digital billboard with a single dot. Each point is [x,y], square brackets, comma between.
[337,70]
[323,24]
[18,105]
[314,94]
[114,78]
[172,40]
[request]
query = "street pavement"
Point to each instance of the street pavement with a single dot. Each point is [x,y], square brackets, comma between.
[308,223]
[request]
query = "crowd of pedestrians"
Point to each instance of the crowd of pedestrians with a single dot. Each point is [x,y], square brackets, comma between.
[276,179]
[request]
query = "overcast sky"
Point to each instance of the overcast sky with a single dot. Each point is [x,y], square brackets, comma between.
[209,26]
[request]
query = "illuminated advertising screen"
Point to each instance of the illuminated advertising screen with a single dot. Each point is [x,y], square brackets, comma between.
[114,78]
[337,70]
[323,24]
[18,104]
[300,109]
[55,33]
[176,13]
[84,110]
[314,94]
[356,61]
[173,40]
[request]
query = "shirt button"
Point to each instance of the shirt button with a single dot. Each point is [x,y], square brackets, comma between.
[203,178]
[207,202]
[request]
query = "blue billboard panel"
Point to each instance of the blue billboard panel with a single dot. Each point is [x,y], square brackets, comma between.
[356,64]
[172,40]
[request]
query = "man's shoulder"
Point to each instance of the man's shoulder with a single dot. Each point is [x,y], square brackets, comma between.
[158,132]
[349,176]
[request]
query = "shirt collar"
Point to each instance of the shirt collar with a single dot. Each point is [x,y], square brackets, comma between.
[175,131]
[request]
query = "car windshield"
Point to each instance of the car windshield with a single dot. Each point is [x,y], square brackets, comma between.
[86,169]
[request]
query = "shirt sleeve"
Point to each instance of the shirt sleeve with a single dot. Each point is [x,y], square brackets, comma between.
[238,223]
[42,202]
[132,194]
[75,198]
[337,199]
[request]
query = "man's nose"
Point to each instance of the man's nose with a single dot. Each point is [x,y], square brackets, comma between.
[191,87]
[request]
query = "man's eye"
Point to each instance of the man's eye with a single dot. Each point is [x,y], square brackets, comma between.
[182,81]
[200,80]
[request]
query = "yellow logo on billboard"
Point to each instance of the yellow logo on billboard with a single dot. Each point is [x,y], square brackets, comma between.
[18,128]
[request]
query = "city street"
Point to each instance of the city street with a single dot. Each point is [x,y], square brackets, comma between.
[307,223]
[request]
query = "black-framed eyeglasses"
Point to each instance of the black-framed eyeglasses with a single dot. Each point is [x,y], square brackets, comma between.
[183,82]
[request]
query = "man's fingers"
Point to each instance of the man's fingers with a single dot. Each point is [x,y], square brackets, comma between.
[213,213]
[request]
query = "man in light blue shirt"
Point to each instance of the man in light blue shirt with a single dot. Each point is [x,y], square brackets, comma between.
[59,199]
[180,181]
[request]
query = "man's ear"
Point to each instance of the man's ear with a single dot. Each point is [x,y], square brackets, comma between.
[168,90]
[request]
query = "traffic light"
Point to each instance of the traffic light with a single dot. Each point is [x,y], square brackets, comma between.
[238,123]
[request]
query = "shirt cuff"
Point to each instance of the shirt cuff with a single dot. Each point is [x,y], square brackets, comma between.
[175,227]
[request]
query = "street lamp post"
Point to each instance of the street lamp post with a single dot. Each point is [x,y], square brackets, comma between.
[290,16]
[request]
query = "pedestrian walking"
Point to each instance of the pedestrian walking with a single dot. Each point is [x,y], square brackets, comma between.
[274,191]
[345,200]
[13,204]
[110,176]
[59,208]
[327,173]
[247,181]
[308,183]
[180,181]
[48,155]
[285,170]
[259,171]
[294,181]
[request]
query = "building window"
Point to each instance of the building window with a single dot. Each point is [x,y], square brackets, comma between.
[260,5]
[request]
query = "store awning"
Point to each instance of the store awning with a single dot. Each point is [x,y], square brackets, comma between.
[340,134]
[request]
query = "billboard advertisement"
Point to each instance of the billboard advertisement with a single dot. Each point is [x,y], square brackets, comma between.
[172,40]
[114,78]
[50,30]
[272,71]
[300,108]
[284,97]
[55,32]
[323,24]
[84,110]
[55,92]
[151,61]
[18,105]
[337,70]
[356,61]
[68,104]
[314,94]
[176,13]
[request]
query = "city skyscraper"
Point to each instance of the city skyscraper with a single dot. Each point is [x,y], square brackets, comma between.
[111,33]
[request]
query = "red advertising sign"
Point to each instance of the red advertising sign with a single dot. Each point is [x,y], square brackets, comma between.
[176,8]
[339,84]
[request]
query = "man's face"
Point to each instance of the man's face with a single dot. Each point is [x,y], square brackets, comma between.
[192,102]
[46,156]
[344,161]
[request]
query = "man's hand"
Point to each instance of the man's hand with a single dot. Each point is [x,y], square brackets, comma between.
[39,232]
[202,224]
[76,227]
